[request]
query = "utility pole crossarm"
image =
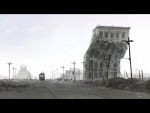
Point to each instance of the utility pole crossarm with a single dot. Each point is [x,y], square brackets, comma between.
[127,41]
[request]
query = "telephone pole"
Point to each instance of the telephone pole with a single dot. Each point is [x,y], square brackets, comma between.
[13,72]
[54,75]
[51,76]
[139,75]
[74,69]
[128,42]
[63,72]
[57,72]
[142,75]
[127,75]
[9,63]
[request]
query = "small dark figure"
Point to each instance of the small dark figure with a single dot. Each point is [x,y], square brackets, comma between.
[42,76]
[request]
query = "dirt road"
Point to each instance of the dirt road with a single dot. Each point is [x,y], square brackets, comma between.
[59,90]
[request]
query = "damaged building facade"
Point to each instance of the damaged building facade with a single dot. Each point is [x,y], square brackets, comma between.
[107,48]
[70,76]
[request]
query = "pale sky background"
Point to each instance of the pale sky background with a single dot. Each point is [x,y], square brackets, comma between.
[45,42]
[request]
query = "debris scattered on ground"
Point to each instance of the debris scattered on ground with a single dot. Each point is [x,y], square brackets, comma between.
[13,84]
[120,83]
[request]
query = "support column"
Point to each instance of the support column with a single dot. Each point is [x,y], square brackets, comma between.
[93,70]
[98,69]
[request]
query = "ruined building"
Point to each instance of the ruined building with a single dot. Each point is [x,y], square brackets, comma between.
[23,73]
[70,76]
[107,48]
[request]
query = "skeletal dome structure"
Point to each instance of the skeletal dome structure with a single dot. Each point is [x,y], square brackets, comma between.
[23,73]
[23,67]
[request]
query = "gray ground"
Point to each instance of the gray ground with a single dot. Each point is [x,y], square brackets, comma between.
[59,90]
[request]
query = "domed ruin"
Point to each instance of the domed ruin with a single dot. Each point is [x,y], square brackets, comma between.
[23,73]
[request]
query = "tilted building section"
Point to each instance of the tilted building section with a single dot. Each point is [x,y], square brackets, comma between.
[107,48]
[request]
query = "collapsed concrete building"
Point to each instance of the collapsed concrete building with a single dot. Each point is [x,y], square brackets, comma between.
[107,48]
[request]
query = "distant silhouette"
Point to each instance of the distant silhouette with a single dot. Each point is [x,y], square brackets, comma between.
[42,76]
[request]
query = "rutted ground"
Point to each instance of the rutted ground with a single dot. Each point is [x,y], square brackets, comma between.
[34,89]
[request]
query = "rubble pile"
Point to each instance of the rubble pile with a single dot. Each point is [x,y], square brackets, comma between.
[9,84]
[121,83]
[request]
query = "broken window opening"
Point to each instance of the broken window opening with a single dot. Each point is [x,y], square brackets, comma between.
[117,35]
[106,34]
[112,35]
[123,35]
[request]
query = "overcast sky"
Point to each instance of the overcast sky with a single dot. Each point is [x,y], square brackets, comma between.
[46,42]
